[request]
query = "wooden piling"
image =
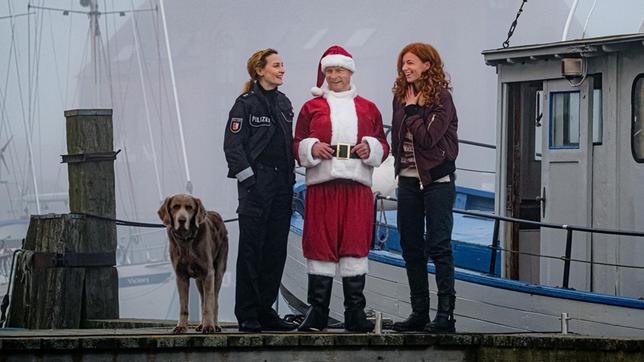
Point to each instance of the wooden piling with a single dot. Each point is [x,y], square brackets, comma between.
[66,272]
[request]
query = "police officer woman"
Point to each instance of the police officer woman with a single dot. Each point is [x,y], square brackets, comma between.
[258,148]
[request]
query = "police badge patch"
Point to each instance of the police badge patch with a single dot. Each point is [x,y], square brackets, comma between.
[235,125]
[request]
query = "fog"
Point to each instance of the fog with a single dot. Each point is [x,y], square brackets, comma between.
[46,67]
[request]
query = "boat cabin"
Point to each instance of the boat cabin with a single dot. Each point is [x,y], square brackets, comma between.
[570,150]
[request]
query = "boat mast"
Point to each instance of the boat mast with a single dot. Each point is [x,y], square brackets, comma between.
[95,33]
[29,116]
[12,52]
[135,30]
[176,98]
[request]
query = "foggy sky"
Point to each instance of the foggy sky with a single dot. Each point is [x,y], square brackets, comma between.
[211,41]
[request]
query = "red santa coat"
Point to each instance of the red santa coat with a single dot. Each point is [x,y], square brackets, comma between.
[339,203]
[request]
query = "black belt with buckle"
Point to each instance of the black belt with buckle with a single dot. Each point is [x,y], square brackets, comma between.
[342,151]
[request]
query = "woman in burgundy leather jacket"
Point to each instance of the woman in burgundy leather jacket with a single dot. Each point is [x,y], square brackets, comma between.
[425,146]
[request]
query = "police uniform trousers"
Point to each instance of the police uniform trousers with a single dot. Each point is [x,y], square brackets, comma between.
[264,223]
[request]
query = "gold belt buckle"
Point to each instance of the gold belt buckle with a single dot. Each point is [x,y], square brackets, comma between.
[342,151]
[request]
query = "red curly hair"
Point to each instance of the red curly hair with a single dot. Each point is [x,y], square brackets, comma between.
[431,81]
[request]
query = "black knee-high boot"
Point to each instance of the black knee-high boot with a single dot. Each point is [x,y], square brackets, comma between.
[319,297]
[355,318]
[444,321]
[418,296]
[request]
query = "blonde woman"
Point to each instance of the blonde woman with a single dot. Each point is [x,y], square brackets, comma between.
[258,147]
[425,146]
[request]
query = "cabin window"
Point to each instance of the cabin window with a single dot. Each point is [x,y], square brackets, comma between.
[564,120]
[598,119]
[637,102]
[538,117]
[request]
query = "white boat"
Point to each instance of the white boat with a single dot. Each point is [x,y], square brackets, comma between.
[569,159]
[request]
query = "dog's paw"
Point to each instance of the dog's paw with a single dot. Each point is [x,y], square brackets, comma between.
[179,329]
[207,329]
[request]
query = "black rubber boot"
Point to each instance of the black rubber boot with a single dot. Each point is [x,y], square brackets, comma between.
[419,298]
[271,321]
[319,297]
[444,321]
[355,319]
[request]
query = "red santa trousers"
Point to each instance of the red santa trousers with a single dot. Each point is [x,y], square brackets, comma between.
[338,220]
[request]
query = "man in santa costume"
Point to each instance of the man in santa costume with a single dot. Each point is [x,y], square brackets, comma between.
[339,139]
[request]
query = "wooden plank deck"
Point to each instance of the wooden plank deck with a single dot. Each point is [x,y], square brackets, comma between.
[138,340]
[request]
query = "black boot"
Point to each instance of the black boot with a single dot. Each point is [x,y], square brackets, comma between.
[271,321]
[355,319]
[319,297]
[444,321]
[419,298]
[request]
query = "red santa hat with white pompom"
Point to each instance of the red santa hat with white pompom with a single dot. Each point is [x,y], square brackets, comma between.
[335,56]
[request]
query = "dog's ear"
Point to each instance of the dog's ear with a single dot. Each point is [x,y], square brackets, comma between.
[164,212]
[201,214]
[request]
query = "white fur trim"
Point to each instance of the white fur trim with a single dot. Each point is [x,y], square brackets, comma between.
[351,169]
[344,129]
[305,153]
[316,91]
[350,267]
[317,267]
[338,60]
[351,93]
[344,118]
[376,151]
[384,181]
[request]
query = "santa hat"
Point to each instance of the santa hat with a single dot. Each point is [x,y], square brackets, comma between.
[335,56]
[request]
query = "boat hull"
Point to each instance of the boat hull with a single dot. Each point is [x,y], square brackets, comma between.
[485,304]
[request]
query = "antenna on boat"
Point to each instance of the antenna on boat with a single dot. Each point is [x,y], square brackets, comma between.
[592,9]
[569,20]
[176,98]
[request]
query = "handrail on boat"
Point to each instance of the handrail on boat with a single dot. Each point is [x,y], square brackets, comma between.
[569,230]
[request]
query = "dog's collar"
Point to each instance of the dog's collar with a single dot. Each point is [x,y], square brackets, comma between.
[190,237]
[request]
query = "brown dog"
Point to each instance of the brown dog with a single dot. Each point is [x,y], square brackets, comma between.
[199,250]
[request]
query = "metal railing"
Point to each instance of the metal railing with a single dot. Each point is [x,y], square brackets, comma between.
[566,258]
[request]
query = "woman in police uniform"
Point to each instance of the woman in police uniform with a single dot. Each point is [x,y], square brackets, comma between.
[258,148]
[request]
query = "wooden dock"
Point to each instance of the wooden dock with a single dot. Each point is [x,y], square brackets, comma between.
[132,340]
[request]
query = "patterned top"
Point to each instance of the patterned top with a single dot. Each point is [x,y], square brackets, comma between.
[407,161]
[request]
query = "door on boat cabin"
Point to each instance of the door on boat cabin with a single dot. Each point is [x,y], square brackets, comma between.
[524,114]
[566,179]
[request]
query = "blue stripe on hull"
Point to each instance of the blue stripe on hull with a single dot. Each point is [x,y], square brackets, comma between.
[498,282]
[518,286]
[471,256]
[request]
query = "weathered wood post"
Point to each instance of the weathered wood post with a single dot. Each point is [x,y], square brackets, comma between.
[66,273]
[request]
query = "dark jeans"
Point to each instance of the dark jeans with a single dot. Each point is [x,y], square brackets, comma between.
[430,207]
[264,223]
